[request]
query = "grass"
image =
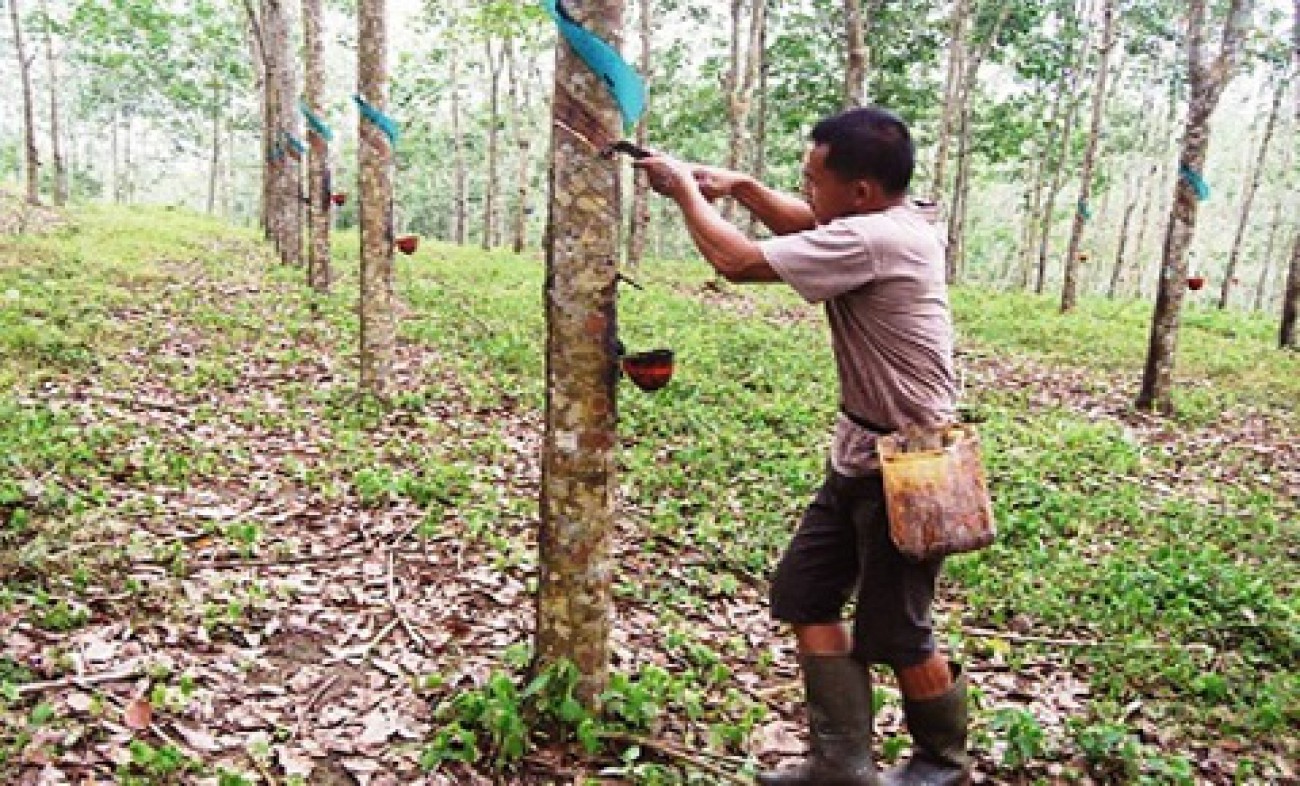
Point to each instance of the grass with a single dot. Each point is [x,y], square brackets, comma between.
[1176,574]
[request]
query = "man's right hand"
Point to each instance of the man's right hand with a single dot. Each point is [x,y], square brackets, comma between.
[715,181]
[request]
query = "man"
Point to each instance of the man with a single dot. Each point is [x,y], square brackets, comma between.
[858,245]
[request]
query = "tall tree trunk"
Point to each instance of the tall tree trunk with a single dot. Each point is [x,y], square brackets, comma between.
[1206,86]
[1121,245]
[319,187]
[29,122]
[114,149]
[128,162]
[494,121]
[214,161]
[1034,197]
[961,186]
[1070,281]
[578,458]
[284,200]
[1248,198]
[951,93]
[741,79]
[1291,298]
[56,145]
[760,119]
[375,153]
[519,104]
[640,220]
[1069,86]
[855,67]
[1266,270]
[460,171]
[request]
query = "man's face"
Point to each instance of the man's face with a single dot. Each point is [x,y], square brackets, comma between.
[830,195]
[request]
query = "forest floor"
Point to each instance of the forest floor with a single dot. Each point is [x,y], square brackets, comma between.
[219,565]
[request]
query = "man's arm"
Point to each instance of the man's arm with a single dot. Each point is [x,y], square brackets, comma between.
[783,214]
[736,257]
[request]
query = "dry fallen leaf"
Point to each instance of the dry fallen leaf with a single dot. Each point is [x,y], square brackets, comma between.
[138,714]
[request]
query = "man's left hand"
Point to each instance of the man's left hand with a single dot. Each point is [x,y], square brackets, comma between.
[668,176]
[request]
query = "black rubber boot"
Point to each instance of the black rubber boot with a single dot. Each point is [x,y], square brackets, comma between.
[938,728]
[838,691]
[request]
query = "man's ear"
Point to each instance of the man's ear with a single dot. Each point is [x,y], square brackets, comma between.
[864,192]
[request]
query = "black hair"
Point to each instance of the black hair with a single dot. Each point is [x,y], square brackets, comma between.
[869,142]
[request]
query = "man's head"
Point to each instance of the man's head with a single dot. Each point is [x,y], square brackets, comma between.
[861,161]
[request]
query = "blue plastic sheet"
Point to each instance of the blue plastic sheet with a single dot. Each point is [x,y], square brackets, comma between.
[624,83]
[381,120]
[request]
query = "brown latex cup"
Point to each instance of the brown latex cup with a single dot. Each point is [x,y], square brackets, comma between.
[649,370]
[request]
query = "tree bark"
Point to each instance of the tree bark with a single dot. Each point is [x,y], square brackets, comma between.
[1248,198]
[1070,280]
[1291,298]
[284,194]
[56,145]
[1070,87]
[495,62]
[951,93]
[1266,270]
[460,174]
[29,123]
[640,221]
[377,302]
[214,161]
[578,457]
[319,187]
[855,67]
[1206,86]
[1121,245]
[519,104]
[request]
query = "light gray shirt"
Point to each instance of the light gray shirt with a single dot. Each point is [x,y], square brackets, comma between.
[881,278]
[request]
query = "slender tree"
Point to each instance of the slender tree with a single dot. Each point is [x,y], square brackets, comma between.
[56,144]
[578,459]
[1248,197]
[952,87]
[495,62]
[1070,282]
[377,303]
[319,188]
[460,169]
[1287,332]
[855,66]
[639,224]
[1207,80]
[29,122]
[1266,269]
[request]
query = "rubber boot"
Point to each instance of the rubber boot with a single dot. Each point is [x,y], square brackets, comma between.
[838,693]
[938,728]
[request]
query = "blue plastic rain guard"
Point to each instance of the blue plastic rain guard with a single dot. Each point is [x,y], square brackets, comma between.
[624,83]
[315,123]
[295,143]
[383,121]
[1195,180]
[1084,210]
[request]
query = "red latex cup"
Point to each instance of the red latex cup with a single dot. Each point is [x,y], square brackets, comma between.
[1195,282]
[339,199]
[649,370]
[408,243]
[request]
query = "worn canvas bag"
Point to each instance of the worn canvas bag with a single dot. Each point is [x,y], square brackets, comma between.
[936,491]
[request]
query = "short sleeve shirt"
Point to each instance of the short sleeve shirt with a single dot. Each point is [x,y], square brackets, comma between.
[881,279]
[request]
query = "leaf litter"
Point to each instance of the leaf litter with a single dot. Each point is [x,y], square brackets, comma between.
[253,608]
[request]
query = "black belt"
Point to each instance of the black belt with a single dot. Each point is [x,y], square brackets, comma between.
[866,424]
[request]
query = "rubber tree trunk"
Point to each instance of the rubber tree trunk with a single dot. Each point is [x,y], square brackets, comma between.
[460,171]
[33,164]
[56,144]
[1291,298]
[855,66]
[951,94]
[517,91]
[375,154]
[214,160]
[1121,244]
[1248,198]
[495,62]
[1069,84]
[319,188]
[741,79]
[1207,81]
[639,224]
[1070,280]
[578,456]
[285,193]
[1266,269]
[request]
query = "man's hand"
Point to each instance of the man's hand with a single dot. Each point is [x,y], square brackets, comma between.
[668,176]
[715,181]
